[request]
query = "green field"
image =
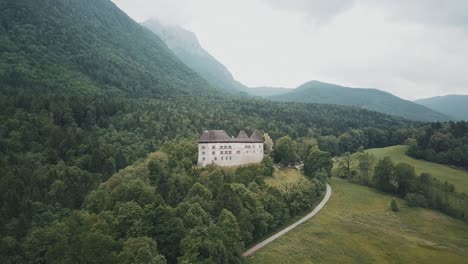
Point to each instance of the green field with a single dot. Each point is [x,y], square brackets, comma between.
[357,226]
[457,177]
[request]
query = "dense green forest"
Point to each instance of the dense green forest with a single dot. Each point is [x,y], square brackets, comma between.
[371,99]
[163,209]
[445,143]
[86,92]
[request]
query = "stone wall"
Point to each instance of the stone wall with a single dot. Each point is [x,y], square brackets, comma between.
[229,154]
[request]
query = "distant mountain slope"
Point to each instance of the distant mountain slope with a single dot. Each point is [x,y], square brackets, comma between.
[186,46]
[267,91]
[371,99]
[91,44]
[455,106]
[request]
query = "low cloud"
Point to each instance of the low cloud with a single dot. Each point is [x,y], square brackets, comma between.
[413,49]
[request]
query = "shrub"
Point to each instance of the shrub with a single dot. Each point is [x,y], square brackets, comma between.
[394,206]
[416,200]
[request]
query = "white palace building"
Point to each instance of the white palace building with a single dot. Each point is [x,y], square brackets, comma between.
[216,147]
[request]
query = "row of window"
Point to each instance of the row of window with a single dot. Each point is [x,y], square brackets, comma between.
[229,152]
[230,147]
[222,158]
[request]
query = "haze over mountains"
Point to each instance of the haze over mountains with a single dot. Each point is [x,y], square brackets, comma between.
[188,49]
[455,106]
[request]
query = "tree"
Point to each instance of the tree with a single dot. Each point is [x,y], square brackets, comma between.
[365,163]
[329,144]
[159,174]
[317,161]
[405,177]
[268,166]
[394,206]
[345,169]
[232,240]
[204,244]
[384,175]
[268,142]
[306,146]
[140,250]
[285,151]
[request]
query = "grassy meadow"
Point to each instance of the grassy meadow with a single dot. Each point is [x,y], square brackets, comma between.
[284,177]
[457,177]
[357,226]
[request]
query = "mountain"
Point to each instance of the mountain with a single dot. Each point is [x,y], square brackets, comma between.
[92,44]
[187,48]
[455,106]
[371,99]
[267,91]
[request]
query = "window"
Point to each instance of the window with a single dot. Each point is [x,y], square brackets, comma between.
[221,152]
[230,147]
[216,158]
[230,158]
[203,153]
[213,153]
[213,147]
[238,152]
[203,158]
[203,147]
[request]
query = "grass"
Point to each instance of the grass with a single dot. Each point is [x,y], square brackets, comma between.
[284,177]
[457,177]
[357,226]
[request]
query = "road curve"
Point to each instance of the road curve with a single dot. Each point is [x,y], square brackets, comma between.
[267,241]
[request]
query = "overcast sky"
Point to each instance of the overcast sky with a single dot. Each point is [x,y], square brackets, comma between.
[411,48]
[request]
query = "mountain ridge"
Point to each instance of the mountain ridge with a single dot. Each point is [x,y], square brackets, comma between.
[366,98]
[186,46]
[454,105]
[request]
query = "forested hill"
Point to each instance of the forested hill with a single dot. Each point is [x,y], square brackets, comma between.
[454,105]
[72,45]
[85,91]
[372,99]
[188,49]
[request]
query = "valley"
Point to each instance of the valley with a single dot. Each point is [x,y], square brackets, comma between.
[357,226]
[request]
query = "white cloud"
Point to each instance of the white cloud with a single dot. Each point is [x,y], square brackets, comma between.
[413,49]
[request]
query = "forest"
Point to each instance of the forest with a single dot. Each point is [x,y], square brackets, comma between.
[445,143]
[162,209]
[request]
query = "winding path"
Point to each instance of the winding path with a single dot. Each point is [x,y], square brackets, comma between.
[267,241]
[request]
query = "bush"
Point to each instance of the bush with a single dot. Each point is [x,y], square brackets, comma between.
[416,200]
[394,206]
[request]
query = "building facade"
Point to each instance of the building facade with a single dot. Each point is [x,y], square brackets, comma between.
[216,147]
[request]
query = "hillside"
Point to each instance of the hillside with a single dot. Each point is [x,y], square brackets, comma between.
[455,106]
[371,99]
[458,177]
[357,226]
[187,48]
[92,44]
